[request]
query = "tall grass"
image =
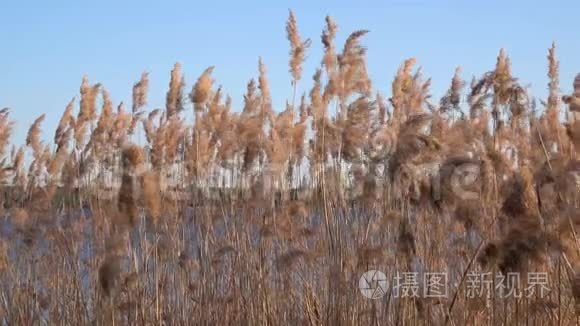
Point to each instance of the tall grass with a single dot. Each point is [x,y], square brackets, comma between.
[254,216]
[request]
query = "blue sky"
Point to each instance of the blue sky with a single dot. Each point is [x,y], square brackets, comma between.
[47,46]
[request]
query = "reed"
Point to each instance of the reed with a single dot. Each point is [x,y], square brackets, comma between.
[264,215]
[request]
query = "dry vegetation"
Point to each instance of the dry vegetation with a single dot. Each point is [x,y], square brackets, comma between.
[256,217]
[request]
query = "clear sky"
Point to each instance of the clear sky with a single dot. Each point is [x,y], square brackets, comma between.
[47,46]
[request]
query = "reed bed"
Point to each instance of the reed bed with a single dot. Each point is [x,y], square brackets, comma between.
[269,217]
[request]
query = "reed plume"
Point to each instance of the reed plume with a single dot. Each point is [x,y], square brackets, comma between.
[33,136]
[264,86]
[573,100]
[173,103]
[201,90]
[6,127]
[140,90]
[87,112]
[297,48]
[65,123]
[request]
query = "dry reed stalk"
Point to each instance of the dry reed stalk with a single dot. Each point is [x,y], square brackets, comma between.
[132,158]
[4,259]
[152,194]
